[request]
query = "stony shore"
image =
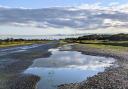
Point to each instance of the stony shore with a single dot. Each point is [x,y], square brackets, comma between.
[111,78]
[12,66]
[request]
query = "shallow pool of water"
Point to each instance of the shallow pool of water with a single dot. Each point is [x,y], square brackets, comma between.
[64,67]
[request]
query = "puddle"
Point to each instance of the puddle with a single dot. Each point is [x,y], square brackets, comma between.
[64,67]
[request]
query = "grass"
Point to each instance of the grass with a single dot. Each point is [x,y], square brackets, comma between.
[62,42]
[116,46]
[19,43]
[109,47]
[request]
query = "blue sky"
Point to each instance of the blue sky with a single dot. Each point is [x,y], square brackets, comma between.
[53,3]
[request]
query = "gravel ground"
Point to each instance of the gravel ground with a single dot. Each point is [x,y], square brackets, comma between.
[21,81]
[111,78]
[12,66]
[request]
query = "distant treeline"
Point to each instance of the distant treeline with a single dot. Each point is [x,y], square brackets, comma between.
[115,37]
[17,40]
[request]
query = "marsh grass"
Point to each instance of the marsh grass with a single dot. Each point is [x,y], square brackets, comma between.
[4,44]
[109,45]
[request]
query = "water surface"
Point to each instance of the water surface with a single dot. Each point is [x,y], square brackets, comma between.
[66,67]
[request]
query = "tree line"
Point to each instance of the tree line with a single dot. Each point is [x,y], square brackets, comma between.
[20,40]
[115,37]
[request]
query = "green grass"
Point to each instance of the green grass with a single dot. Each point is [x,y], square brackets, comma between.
[19,43]
[108,45]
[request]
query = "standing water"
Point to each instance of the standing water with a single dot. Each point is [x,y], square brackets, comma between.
[65,67]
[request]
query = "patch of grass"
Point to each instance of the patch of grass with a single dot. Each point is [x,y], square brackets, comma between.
[62,42]
[19,43]
[108,45]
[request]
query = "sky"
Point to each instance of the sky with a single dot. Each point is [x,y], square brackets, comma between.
[99,16]
[54,3]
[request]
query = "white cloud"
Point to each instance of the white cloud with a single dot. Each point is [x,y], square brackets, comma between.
[91,18]
[1,6]
[113,6]
[110,30]
[8,7]
[8,29]
[64,19]
[28,30]
[113,23]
